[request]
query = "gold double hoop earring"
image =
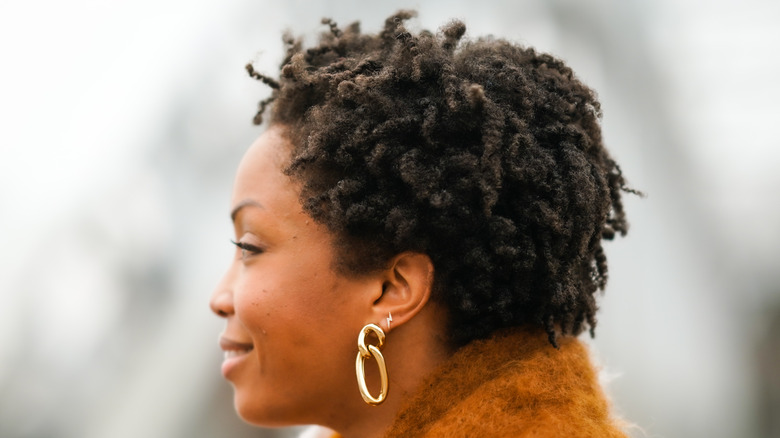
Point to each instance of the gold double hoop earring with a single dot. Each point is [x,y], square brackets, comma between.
[366,352]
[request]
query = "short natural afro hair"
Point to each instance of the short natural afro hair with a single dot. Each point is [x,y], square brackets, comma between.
[484,155]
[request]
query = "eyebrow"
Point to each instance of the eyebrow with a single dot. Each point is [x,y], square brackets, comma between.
[242,204]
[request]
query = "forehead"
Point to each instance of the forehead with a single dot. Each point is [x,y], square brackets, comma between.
[260,173]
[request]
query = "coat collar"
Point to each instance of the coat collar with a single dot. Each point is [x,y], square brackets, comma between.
[513,384]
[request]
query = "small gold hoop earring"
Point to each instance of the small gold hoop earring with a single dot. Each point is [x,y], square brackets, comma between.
[366,352]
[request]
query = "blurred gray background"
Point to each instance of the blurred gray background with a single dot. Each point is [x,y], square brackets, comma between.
[121,124]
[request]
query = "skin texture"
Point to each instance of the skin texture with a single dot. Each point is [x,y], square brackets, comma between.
[283,297]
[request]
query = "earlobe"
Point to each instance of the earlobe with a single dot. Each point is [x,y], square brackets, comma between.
[406,289]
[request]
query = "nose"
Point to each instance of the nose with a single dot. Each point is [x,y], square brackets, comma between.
[221,301]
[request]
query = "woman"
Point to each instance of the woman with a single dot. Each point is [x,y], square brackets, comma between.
[418,238]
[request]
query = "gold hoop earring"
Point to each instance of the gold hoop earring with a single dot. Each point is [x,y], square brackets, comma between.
[365,353]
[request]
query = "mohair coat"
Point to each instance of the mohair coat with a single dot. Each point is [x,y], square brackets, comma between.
[514,384]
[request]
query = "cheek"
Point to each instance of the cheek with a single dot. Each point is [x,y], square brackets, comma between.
[288,294]
[255,295]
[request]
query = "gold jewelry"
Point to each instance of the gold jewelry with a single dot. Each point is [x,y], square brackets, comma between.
[365,353]
[389,320]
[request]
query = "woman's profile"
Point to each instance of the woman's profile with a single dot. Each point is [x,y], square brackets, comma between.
[418,238]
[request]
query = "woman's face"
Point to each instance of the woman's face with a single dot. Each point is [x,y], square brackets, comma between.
[291,321]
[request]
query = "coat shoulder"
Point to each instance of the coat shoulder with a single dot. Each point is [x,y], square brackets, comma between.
[514,384]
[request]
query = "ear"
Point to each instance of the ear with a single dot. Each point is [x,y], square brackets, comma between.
[407,284]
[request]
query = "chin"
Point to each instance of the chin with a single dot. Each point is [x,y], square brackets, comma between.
[252,411]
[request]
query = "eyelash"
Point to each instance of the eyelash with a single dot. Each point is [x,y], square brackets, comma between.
[247,249]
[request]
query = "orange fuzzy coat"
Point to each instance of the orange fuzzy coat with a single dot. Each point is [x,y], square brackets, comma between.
[512,385]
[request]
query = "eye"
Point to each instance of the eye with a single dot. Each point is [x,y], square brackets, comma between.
[247,250]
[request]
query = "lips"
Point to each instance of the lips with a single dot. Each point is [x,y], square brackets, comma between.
[230,346]
[235,352]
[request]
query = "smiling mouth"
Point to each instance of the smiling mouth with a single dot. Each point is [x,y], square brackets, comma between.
[234,348]
[234,354]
